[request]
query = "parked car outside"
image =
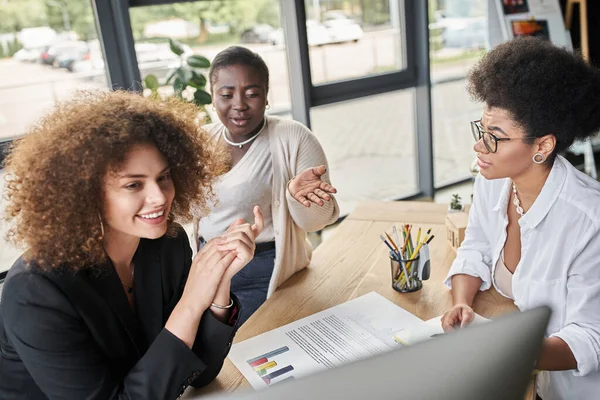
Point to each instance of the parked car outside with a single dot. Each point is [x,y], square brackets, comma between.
[319,34]
[48,56]
[93,63]
[153,58]
[465,33]
[341,28]
[257,34]
[31,54]
[68,59]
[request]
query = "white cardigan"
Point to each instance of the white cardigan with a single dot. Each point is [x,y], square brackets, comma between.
[559,266]
[294,148]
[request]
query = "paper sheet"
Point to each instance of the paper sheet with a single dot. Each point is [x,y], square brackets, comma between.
[426,330]
[354,330]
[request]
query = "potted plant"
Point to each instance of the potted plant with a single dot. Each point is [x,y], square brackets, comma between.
[456,203]
[189,81]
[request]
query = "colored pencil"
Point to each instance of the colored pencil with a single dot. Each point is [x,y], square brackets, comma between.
[391,241]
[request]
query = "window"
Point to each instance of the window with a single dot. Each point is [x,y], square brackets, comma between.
[458,31]
[207,27]
[48,51]
[42,62]
[370,147]
[351,39]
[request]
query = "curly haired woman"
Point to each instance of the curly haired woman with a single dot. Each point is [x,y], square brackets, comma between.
[534,227]
[107,302]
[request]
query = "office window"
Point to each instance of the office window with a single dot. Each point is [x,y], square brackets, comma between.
[206,27]
[48,51]
[458,31]
[370,146]
[352,39]
[452,110]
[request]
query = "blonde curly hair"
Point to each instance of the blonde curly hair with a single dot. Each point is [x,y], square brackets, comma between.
[55,173]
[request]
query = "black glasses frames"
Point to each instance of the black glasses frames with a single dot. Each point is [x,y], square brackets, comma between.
[490,141]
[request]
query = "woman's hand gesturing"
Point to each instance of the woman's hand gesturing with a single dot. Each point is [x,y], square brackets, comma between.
[240,238]
[307,187]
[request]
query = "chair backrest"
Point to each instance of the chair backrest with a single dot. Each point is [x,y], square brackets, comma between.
[2,277]
[4,146]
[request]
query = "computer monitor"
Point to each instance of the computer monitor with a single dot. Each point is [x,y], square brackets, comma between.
[490,361]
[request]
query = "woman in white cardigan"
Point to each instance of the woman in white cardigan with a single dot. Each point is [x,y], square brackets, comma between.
[277,164]
[534,227]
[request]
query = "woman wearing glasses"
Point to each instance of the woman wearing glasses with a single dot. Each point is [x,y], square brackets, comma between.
[534,227]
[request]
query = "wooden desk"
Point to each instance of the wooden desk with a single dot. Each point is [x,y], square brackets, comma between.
[410,212]
[353,262]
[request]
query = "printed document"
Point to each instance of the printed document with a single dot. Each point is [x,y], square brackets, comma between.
[426,330]
[360,328]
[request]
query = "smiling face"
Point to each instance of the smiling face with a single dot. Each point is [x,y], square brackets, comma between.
[138,196]
[240,99]
[512,157]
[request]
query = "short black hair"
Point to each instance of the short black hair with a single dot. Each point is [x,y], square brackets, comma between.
[545,89]
[238,55]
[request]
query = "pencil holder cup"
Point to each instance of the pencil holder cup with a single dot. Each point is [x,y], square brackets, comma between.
[408,274]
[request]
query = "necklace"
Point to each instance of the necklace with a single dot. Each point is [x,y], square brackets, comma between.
[516,201]
[241,144]
[128,288]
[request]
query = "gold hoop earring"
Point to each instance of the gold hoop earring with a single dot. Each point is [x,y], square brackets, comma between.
[101,226]
[539,158]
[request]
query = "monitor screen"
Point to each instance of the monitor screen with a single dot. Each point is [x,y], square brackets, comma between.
[490,361]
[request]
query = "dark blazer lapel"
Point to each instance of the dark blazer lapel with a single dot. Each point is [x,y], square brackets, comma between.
[106,282]
[148,289]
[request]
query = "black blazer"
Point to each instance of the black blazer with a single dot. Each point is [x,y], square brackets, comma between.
[74,336]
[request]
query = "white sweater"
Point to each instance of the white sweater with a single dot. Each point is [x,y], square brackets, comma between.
[247,184]
[294,148]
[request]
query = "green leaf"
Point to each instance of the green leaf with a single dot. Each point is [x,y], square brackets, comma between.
[197,61]
[201,98]
[179,85]
[198,80]
[184,74]
[176,47]
[151,82]
[170,77]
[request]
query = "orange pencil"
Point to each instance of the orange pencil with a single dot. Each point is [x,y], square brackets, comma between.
[391,241]
[405,242]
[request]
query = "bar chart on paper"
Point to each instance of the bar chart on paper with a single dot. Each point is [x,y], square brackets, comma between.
[265,365]
[360,328]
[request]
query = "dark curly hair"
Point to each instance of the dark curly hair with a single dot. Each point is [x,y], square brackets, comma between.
[545,89]
[55,174]
[238,55]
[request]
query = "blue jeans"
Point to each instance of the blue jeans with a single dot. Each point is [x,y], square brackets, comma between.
[250,285]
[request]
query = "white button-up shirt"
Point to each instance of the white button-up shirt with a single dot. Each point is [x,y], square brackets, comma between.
[559,266]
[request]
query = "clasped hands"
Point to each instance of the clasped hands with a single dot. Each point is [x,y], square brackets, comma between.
[209,279]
